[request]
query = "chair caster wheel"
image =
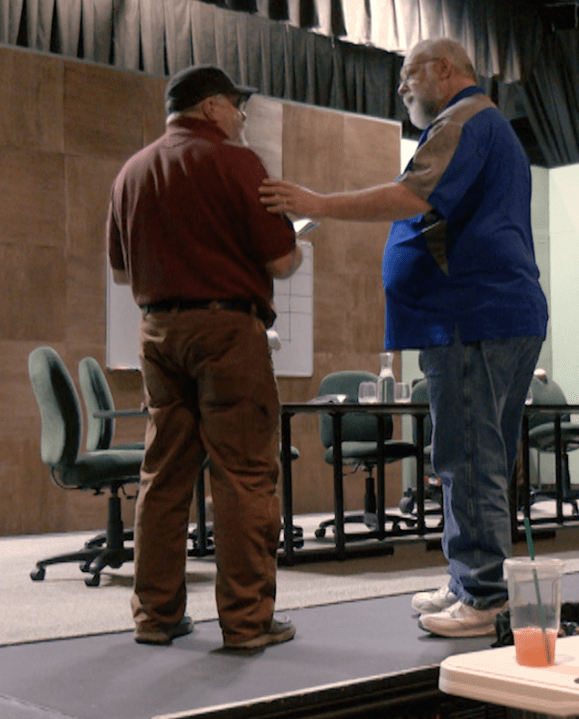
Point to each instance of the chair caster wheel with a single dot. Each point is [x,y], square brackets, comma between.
[320,532]
[93,581]
[38,574]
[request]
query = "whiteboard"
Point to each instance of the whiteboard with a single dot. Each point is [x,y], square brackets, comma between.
[294,303]
[122,333]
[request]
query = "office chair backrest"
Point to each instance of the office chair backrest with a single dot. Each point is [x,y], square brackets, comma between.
[97,395]
[548,392]
[355,427]
[59,406]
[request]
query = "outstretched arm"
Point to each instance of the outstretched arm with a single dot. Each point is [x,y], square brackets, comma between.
[389,202]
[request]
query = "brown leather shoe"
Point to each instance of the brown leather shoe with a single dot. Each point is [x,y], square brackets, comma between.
[278,632]
[164,635]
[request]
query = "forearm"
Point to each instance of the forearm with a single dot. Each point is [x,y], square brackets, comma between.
[383,203]
[389,202]
[285,266]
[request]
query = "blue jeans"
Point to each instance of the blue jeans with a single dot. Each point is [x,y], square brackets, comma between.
[477,394]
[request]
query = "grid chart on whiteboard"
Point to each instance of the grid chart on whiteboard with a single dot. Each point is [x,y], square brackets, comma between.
[294,304]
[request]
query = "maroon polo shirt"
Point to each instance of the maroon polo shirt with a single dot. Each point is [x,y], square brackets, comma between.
[185,220]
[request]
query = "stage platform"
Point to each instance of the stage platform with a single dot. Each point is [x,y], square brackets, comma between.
[361,659]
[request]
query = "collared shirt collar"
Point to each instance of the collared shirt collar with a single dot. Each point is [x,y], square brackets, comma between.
[467,92]
[195,124]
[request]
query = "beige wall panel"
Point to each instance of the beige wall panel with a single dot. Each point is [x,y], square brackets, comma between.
[364,249]
[153,109]
[32,191]
[102,110]
[33,291]
[88,188]
[313,147]
[348,314]
[31,101]
[31,504]
[371,151]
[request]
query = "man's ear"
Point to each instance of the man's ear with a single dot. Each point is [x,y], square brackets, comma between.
[445,66]
[208,106]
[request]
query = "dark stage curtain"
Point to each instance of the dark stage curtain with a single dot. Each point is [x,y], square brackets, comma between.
[552,101]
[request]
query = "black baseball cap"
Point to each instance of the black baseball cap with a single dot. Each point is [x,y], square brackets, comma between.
[193,84]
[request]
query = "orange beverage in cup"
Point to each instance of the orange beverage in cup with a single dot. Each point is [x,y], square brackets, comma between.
[533,648]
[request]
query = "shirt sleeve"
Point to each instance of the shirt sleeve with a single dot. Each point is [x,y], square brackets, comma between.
[271,236]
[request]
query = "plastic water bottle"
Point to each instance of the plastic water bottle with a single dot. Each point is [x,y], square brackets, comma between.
[386,378]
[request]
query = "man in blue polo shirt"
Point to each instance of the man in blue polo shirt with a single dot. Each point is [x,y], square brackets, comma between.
[462,285]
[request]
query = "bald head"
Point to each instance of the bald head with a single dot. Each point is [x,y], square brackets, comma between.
[434,71]
[438,48]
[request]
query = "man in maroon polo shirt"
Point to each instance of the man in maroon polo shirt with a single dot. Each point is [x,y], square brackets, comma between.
[187,231]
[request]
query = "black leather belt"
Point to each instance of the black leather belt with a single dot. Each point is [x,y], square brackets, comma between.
[237,305]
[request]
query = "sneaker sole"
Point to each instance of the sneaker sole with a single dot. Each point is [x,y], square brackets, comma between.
[460,632]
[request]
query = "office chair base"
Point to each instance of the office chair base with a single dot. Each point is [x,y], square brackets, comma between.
[92,561]
[106,549]
[370,520]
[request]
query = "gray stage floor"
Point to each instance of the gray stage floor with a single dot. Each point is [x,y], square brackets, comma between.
[110,676]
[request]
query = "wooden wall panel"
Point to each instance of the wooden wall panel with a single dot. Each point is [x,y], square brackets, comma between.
[32,192]
[31,111]
[103,110]
[34,288]
[66,127]
[88,183]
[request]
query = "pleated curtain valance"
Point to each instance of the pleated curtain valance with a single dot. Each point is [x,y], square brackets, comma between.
[160,36]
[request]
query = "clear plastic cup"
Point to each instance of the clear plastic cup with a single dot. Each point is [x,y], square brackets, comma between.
[402,392]
[534,608]
[367,392]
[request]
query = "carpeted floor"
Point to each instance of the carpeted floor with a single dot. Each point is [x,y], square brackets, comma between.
[62,606]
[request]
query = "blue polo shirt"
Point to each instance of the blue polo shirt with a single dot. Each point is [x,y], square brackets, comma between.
[470,262]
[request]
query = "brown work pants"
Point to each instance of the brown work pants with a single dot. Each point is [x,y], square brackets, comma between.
[210,389]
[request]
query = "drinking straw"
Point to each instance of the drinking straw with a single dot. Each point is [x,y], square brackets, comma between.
[537,590]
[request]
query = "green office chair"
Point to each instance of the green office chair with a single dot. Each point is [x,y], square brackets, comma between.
[360,446]
[96,471]
[542,438]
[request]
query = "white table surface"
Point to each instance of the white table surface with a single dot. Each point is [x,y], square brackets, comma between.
[494,676]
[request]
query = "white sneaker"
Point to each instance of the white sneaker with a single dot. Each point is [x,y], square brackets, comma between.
[461,620]
[431,602]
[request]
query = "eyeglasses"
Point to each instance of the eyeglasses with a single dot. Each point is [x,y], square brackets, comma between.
[238,101]
[405,75]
